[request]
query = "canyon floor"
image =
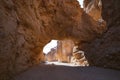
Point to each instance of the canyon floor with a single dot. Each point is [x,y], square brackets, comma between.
[61,72]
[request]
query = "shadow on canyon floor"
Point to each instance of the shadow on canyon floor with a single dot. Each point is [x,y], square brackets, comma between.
[52,72]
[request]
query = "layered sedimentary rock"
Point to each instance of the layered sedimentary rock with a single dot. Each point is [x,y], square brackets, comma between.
[105,50]
[79,59]
[27,25]
[64,50]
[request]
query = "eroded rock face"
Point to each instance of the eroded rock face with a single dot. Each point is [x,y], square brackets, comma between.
[105,50]
[93,8]
[64,50]
[79,59]
[27,25]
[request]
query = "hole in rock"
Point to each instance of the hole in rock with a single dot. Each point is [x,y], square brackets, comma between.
[81,3]
[64,53]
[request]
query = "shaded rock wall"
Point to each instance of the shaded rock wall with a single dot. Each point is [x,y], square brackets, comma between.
[105,50]
[27,25]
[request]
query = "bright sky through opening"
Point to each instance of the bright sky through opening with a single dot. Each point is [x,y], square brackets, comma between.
[50,45]
[81,3]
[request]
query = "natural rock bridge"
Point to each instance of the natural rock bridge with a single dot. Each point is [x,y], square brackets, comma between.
[26,26]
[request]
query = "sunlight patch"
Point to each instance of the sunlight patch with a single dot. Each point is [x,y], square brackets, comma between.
[81,3]
[50,45]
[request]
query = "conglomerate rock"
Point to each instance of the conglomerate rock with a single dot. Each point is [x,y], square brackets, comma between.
[27,25]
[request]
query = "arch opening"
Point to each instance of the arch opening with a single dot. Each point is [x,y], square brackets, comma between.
[81,3]
[65,53]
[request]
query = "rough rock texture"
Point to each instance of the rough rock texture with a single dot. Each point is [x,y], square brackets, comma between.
[64,50]
[52,55]
[78,58]
[105,50]
[93,8]
[27,25]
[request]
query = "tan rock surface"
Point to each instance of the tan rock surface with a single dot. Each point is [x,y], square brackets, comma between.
[27,25]
[64,50]
[93,8]
[78,58]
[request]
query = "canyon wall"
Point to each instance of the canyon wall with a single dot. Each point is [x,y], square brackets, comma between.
[64,50]
[105,50]
[93,8]
[27,25]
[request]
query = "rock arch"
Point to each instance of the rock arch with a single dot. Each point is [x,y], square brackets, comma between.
[26,26]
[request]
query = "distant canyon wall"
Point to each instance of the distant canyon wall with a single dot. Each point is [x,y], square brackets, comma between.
[64,50]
